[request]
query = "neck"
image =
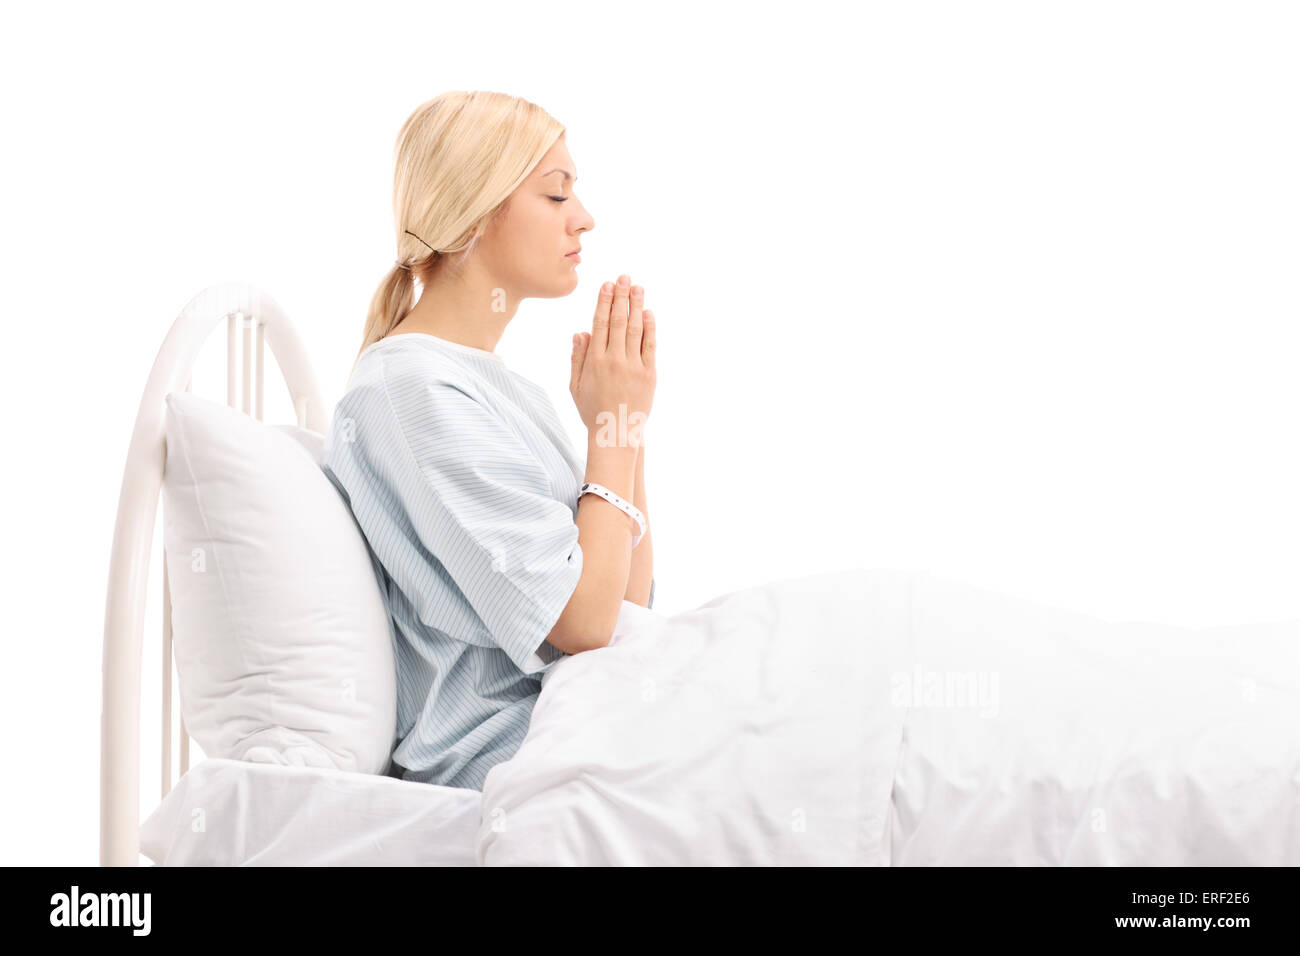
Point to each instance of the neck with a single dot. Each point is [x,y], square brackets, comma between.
[469,310]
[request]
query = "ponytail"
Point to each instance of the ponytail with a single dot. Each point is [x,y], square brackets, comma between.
[392,300]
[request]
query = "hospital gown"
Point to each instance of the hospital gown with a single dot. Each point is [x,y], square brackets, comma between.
[465,486]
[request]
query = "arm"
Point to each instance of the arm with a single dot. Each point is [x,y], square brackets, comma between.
[605,535]
[643,560]
[612,367]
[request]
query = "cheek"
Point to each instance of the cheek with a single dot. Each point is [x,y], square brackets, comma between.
[529,236]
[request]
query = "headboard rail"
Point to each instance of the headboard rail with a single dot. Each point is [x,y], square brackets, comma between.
[246,309]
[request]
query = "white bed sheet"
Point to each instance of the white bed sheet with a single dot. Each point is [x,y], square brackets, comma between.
[749,731]
[1107,743]
[239,813]
[778,726]
[782,725]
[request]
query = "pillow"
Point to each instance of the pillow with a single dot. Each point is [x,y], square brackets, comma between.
[282,640]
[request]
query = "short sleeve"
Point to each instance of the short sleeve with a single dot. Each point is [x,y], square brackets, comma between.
[480,501]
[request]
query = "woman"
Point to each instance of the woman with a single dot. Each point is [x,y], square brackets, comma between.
[459,473]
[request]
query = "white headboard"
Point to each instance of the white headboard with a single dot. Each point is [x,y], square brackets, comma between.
[245,309]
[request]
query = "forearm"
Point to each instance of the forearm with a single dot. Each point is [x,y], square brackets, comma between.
[641,573]
[605,535]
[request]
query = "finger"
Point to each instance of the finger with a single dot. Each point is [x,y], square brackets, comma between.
[634,321]
[618,315]
[600,321]
[648,339]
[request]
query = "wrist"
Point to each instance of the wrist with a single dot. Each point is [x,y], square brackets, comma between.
[603,437]
[639,525]
[613,466]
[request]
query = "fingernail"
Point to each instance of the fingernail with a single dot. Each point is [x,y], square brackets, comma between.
[623,281]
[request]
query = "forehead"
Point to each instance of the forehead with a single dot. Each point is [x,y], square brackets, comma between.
[557,165]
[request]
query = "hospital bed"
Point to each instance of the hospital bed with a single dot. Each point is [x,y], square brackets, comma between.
[859,717]
[272,807]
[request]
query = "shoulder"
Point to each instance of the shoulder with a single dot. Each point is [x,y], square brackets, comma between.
[407,361]
[399,399]
[409,381]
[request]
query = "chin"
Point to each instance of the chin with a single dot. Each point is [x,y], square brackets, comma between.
[568,284]
[554,288]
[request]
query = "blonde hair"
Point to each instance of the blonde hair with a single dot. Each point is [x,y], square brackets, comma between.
[459,156]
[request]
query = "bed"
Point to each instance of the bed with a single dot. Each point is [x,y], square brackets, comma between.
[294,796]
[867,716]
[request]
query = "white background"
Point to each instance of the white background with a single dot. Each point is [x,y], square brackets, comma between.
[1003,291]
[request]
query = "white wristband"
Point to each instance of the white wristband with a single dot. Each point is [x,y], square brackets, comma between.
[621,504]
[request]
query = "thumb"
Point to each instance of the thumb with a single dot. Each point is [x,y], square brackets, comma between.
[579,355]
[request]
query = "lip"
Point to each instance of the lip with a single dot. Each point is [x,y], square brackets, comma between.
[574,255]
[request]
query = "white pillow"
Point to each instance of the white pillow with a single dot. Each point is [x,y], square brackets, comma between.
[283,647]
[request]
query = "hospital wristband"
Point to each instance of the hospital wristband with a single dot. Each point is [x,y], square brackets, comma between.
[621,504]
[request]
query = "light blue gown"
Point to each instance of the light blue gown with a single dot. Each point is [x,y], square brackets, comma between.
[465,486]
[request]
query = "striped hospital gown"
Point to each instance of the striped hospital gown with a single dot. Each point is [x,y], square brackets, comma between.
[465,485]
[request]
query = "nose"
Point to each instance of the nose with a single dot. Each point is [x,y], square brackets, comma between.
[585,222]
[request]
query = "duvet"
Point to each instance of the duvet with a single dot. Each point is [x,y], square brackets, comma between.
[891,717]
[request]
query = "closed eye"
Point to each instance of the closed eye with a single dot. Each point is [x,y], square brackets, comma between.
[558,198]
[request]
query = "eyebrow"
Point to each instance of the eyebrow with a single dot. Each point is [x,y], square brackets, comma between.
[567,175]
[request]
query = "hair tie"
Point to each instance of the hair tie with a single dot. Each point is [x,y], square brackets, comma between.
[409,233]
[402,265]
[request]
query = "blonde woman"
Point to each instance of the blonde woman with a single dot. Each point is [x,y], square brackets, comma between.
[458,470]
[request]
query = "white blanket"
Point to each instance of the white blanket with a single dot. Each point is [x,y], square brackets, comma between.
[1123,743]
[893,717]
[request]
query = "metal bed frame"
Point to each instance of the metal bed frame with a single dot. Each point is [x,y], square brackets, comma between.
[243,308]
